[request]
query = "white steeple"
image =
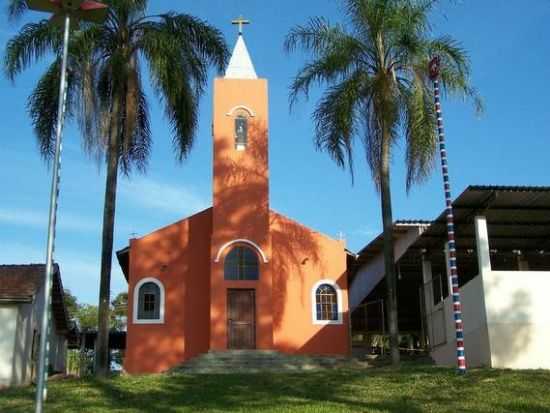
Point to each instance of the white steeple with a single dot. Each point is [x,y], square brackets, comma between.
[240,65]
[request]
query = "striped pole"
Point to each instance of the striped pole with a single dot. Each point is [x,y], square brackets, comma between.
[434,69]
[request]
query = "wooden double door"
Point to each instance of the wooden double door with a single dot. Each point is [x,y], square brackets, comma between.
[241,319]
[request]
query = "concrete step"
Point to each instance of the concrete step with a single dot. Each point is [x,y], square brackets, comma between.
[256,361]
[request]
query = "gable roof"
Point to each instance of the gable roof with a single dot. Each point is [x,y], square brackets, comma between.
[21,284]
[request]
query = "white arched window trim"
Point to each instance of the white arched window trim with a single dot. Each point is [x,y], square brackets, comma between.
[241,241]
[245,108]
[160,320]
[336,287]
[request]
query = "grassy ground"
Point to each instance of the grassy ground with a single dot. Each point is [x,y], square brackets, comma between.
[413,389]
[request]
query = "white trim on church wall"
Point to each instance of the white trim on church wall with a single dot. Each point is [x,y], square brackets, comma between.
[243,107]
[159,320]
[240,241]
[336,287]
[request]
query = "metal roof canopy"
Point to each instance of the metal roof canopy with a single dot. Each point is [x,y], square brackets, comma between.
[518,218]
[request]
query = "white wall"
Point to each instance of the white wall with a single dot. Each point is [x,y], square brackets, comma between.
[23,345]
[58,343]
[58,352]
[476,340]
[370,274]
[8,327]
[16,329]
[518,318]
[18,322]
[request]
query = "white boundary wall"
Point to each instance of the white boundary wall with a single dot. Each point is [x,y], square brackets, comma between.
[476,338]
[518,318]
[506,316]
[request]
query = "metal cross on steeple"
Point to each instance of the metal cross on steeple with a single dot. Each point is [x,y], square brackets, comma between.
[240,21]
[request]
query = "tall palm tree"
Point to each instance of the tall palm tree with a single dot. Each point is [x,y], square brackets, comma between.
[378,89]
[106,95]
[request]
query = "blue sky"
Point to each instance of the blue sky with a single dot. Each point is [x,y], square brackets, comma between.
[509,45]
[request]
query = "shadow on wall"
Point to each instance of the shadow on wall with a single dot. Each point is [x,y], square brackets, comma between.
[295,252]
[22,347]
[8,323]
[509,326]
[241,187]
[178,256]
[15,344]
[324,339]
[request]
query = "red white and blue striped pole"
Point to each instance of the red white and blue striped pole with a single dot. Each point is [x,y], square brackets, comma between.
[434,69]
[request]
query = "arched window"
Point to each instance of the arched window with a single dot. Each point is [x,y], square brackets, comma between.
[149,302]
[241,263]
[327,303]
[241,130]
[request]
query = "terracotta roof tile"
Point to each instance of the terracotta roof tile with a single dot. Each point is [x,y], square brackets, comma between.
[22,283]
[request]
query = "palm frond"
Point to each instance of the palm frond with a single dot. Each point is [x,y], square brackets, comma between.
[30,44]
[136,145]
[318,37]
[420,133]
[337,120]
[124,11]
[205,40]
[42,106]
[455,70]
[389,42]
[180,74]
[336,64]
[16,8]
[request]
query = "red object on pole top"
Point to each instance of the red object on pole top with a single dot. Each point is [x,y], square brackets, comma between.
[87,10]
[434,67]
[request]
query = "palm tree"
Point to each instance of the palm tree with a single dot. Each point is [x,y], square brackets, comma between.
[378,89]
[106,95]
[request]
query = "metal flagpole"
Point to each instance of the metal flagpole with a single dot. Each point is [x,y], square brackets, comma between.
[64,10]
[434,68]
[50,248]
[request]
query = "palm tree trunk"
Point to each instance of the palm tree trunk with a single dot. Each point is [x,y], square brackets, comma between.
[102,346]
[389,264]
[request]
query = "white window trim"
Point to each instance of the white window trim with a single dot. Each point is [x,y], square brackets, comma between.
[243,107]
[333,284]
[159,320]
[240,241]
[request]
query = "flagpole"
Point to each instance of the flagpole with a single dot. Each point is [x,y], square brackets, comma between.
[43,358]
[434,69]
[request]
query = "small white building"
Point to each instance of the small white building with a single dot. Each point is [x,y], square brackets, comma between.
[503,256]
[21,306]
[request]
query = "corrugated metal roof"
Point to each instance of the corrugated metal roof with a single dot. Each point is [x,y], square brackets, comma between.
[518,217]
[511,188]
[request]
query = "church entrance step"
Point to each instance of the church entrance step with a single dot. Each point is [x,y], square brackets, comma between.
[256,361]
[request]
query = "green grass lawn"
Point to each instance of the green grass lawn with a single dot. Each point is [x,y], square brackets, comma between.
[412,389]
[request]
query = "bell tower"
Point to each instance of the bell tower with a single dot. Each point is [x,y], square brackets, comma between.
[240,190]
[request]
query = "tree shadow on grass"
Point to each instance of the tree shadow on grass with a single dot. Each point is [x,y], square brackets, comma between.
[301,392]
[413,389]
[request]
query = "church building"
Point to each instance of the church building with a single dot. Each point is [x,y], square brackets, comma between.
[237,275]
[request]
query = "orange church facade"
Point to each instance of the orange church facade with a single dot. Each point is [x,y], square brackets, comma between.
[237,275]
